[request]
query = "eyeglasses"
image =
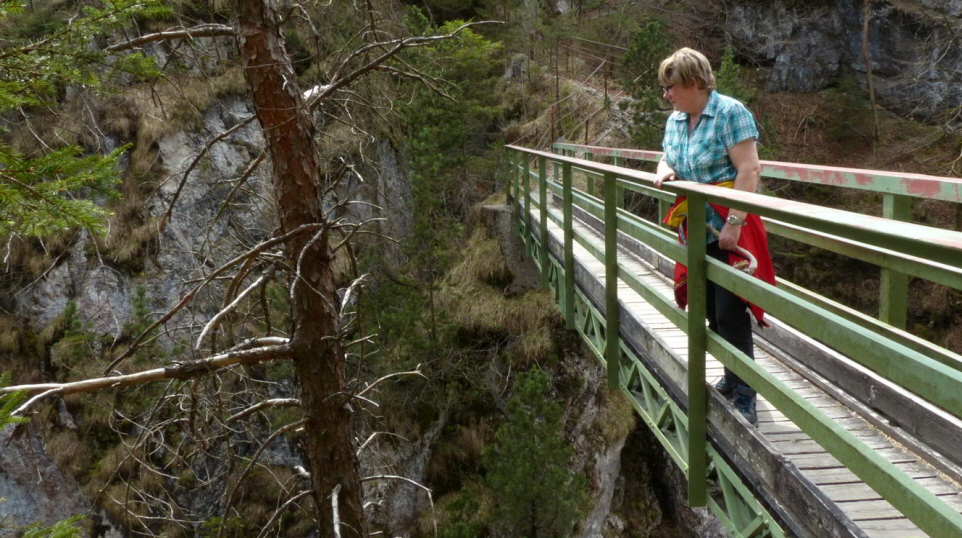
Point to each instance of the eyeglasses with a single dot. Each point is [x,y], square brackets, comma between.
[668,88]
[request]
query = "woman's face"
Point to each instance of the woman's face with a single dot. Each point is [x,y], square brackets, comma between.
[688,99]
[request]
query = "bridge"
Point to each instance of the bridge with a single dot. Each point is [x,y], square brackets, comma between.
[860,422]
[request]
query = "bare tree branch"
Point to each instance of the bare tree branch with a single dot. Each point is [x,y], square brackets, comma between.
[409,481]
[280,510]
[183,181]
[260,450]
[420,77]
[186,370]
[190,296]
[20,410]
[416,371]
[205,30]
[396,46]
[214,321]
[276,402]
[335,511]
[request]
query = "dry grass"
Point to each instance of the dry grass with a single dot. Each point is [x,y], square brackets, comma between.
[617,417]
[33,257]
[472,295]
[472,505]
[169,107]
[69,452]
[115,459]
[483,262]
[10,334]
[459,453]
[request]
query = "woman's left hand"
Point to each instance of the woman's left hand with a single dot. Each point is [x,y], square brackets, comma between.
[728,238]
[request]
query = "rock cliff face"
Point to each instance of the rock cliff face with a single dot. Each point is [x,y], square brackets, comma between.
[29,481]
[916,58]
[104,293]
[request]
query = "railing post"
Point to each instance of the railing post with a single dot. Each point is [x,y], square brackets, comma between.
[507,178]
[569,285]
[612,325]
[697,393]
[620,194]
[663,206]
[555,167]
[592,190]
[526,180]
[894,285]
[543,216]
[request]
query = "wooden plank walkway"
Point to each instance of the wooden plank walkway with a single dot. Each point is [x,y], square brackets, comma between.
[859,502]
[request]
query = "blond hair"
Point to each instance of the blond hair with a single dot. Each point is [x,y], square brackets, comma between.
[686,67]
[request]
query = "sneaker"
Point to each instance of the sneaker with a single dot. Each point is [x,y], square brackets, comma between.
[745,403]
[726,387]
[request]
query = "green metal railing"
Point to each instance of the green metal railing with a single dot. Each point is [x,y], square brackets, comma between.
[918,366]
[896,188]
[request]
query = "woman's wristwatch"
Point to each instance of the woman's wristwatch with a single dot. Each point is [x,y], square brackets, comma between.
[734,221]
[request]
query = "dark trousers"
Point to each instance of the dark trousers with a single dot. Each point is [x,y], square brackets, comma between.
[728,315]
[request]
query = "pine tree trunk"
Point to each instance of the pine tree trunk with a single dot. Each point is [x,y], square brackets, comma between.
[298,183]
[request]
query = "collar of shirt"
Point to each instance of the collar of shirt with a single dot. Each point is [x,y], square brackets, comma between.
[711,109]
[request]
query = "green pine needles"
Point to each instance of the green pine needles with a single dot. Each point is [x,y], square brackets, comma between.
[58,188]
[9,403]
[649,46]
[53,192]
[730,81]
[529,467]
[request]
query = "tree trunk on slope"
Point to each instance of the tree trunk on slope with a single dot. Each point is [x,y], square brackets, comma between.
[298,183]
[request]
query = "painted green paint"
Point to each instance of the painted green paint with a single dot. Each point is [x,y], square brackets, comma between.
[918,267]
[922,375]
[543,215]
[697,391]
[915,185]
[893,299]
[899,361]
[526,180]
[910,341]
[569,261]
[612,332]
[923,508]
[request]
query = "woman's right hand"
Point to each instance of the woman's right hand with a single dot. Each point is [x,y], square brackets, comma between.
[669,175]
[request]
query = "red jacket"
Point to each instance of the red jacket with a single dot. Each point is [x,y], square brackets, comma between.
[753,239]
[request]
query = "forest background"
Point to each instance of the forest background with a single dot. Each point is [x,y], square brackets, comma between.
[134,177]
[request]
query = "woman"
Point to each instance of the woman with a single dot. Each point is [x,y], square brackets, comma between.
[710,138]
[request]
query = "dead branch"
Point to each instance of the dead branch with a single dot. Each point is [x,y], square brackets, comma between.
[394,48]
[240,182]
[190,296]
[205,30]
[335,511]
[280,510]
[186,370]
[183,181]
[409,481]
[416,371]
[355,230]
[368,441]
[214,321]
[250,465]
[20,410]
[428,82]
[276,402]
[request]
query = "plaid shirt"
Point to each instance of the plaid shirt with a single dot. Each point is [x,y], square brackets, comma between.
[703,156]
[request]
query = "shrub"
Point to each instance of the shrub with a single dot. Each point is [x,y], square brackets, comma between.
[528,469]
